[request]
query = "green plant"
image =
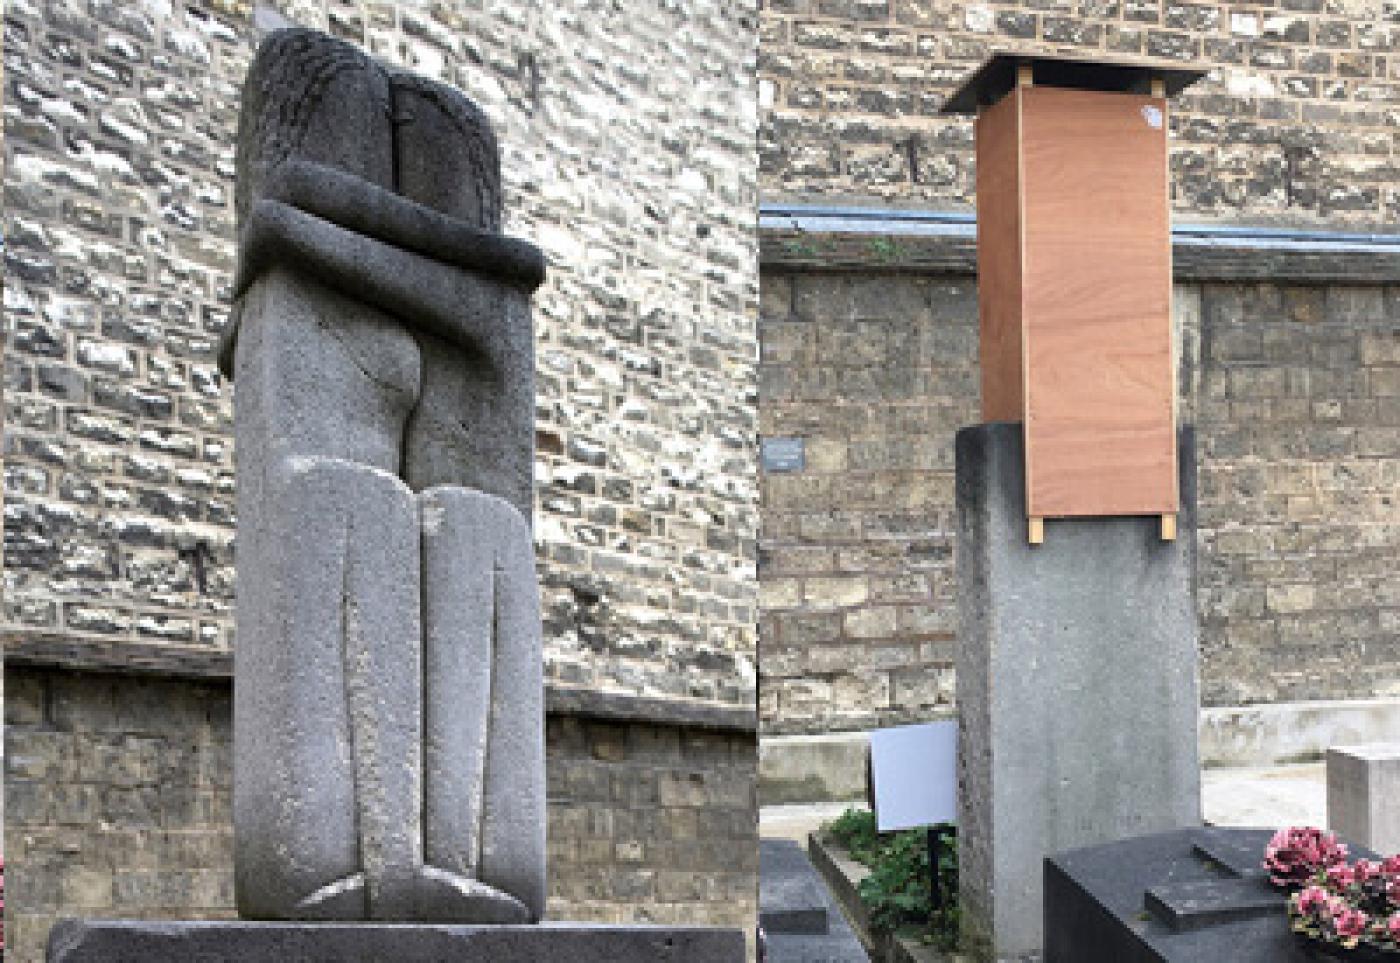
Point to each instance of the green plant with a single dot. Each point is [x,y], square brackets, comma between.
[855,831]
[885,248]
[897,889]
[897,893]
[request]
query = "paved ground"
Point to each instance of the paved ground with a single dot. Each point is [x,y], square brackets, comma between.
[795,822]
[1263,798]
[1266,798]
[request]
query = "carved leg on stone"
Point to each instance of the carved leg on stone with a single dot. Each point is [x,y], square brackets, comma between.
[329,693]
[327,803]
[513,823]
[383,672]
[483,711]
[469,448]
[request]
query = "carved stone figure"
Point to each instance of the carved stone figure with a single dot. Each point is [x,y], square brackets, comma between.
[389,746]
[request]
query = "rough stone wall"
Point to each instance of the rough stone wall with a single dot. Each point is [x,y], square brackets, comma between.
[1295,391]
[119,789]
[652,823]
[1295,123]
[118,220]
[628,142]
[1300,492]
[118,801]
[856,582]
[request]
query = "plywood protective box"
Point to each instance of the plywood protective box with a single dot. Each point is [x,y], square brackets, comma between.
[1075,278]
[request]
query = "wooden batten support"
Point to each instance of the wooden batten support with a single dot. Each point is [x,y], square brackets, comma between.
[1035,530]
[1025,76]
[1168,528]
[1159,87]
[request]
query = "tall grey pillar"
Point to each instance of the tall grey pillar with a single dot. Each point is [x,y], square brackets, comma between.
[1077,684]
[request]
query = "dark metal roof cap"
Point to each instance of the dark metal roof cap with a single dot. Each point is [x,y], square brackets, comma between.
[995,78]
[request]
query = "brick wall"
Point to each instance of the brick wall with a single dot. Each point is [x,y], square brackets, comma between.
[1295,123]
[1295,391]
[118,795]
[628,155]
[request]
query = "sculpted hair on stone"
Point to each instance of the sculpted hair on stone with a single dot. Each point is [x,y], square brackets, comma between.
[477,164]
[311,97]
[285,88]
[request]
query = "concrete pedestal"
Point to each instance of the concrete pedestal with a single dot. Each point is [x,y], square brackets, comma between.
[1077,685]
[129,941]
[1363,794]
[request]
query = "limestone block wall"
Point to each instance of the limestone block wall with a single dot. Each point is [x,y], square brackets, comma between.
[119,790]
[1296,122]
[628,155]
[118,231]
[118,798]
[1300,492]
[875,374]
[1295,391]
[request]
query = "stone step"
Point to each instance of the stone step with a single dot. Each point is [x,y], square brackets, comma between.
[801,923]
[791,898]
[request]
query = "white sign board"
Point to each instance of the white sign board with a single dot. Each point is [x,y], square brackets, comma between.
[915,770]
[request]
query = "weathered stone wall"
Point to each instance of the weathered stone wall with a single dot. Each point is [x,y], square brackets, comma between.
[869,347]
[1295,123]
[1299,403]
[118,800]
[874,374]
[628,142]
[1295,391]
[119,792]
[118,226]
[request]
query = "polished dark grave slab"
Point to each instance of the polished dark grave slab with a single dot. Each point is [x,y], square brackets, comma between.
[791,898]
[155,941]
[1187,896]
[801,922]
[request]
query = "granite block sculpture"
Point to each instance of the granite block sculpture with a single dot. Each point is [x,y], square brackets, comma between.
[389,744]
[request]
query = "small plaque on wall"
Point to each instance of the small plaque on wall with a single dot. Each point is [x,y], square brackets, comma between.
[782,455]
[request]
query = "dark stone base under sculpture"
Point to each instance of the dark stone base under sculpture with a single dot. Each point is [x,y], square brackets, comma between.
[215,941]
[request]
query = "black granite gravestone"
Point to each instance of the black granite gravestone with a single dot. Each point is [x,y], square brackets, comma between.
[1187,896]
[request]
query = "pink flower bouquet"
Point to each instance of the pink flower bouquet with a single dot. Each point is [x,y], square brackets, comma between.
[1296,856]
[1348,910]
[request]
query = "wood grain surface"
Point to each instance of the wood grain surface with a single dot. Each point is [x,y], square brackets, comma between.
[999,259]
[1096,304]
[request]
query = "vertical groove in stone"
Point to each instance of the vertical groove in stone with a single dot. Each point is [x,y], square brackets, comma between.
[483,799]
[347,669]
